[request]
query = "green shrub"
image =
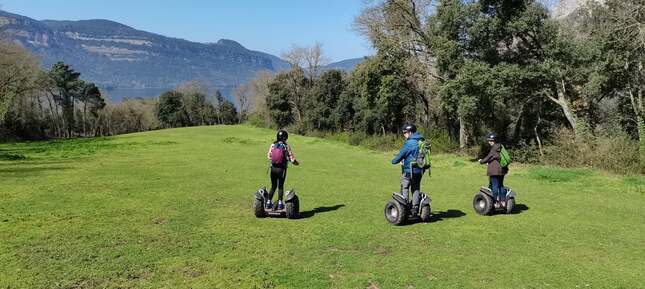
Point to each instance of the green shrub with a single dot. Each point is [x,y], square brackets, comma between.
[617,154]
[526,153]
[258,120]
[440,140]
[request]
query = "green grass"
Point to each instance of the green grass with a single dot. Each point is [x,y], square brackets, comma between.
[172,209]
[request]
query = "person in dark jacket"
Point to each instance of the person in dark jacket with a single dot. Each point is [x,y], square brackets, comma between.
[411,175]
[279,164]
[495,171]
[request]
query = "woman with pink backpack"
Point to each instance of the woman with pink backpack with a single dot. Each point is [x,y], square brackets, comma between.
[280,154]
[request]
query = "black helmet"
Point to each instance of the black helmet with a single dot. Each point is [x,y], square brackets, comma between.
[492,137]
[409,128]
[282,135]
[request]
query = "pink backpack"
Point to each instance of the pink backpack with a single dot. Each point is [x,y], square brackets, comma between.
[278,154]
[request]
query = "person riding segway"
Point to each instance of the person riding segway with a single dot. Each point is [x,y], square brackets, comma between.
[495,196]
[414,156]
[279,155]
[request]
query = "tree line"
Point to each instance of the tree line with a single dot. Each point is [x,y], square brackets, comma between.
[471,67]
[57,103]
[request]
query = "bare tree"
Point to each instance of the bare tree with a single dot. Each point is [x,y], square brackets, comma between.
[259,91]
[311,59]
[314,59]
[242,95]
[18,73]
[294,56]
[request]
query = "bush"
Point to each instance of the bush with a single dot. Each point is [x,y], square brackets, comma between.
[617,154]
[258,120]
[526,153]
[440,140]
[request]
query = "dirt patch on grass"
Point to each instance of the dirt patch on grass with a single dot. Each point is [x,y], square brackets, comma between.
[372,285]
[237,140]
[159,221]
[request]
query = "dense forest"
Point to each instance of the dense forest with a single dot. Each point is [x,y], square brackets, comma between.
[565,90]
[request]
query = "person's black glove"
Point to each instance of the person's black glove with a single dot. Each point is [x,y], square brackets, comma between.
[295,163]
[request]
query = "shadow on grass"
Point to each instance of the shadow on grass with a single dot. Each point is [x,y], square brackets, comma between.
[519,208]
[29,170]
[311,213]
[449,214]
[437,216]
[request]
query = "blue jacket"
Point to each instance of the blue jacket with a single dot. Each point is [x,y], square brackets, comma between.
[409,153]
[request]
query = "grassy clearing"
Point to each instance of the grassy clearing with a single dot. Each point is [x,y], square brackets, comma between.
[171,209]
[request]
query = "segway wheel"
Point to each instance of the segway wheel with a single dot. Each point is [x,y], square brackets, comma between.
[425,214]
[395,213]
[258,209]
[510,205]
[483,204]
[292,208]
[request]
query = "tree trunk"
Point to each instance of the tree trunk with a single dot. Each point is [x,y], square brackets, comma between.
[566,107]
[84,117]
[537,136]
[641,141]
[639,110]
[463,133]
[54,114]
[641,121]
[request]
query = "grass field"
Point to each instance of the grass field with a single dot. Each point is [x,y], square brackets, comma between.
[172,209]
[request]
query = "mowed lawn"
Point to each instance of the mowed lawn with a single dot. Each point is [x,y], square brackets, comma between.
[172,209]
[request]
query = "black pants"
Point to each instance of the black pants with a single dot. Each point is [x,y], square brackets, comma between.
[278,175]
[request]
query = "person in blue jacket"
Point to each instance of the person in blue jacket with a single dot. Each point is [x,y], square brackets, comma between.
[410,175]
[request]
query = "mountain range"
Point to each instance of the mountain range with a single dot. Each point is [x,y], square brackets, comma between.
[124,61]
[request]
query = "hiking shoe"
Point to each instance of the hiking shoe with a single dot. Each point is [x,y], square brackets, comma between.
[268,205]
[497,205]
[280,205]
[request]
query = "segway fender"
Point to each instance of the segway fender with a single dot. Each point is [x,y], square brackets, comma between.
[399,198]
[425,200]
[291,195]
[510,193]
[486,191]
[262,194]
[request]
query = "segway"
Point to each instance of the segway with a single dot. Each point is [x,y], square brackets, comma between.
[484,203]
[291,208]
[398,210]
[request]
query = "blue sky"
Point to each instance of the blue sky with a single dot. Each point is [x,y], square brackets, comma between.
[271,26]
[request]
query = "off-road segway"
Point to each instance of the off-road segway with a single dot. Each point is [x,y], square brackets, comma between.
[291,208]
[398,210]
[484,203]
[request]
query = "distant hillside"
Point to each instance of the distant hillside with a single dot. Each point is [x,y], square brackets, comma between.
[346,65]
[125,61]
[118,57]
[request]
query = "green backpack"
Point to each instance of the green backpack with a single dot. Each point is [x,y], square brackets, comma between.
[504,157]
[423,157]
